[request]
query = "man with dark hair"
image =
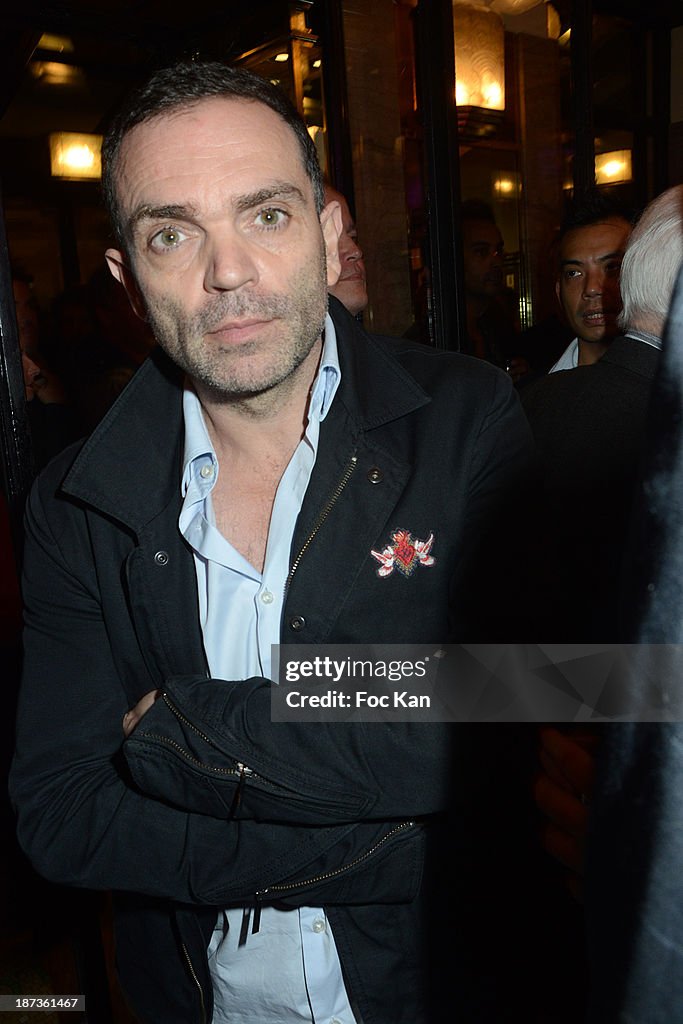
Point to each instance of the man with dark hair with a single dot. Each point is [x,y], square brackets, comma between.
[271,474]
[591,247]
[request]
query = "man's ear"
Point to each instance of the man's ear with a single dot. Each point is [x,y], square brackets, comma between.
[557,293]
[116,261]
[331,224]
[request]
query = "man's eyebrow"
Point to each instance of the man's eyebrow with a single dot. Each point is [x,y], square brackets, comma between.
[278,190]
[611,255]
[169,212]
[578,262]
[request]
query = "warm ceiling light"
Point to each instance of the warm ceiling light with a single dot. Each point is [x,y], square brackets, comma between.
[479,58]
[56,44]
[52,72]
[317,63]
[504,186]
[613,168]
[281,57]
[75,155]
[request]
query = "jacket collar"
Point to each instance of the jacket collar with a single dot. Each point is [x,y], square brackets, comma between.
[129,468]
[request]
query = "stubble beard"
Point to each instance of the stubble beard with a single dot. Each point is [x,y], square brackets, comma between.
[235,372]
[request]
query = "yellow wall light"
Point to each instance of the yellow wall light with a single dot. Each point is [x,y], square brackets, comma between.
[75,155]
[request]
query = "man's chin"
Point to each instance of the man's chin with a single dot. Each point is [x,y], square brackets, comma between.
[352,295]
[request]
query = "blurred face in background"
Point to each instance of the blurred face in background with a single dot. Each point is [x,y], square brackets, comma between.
[350,289]
[27,315]
[483,259]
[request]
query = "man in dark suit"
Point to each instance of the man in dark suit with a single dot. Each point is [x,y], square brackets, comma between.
[588,424]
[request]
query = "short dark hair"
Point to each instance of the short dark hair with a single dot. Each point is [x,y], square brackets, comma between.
[593,207]
[182,85]
[476,209]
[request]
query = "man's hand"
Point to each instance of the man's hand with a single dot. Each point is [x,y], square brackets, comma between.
[132,717]
[562,791]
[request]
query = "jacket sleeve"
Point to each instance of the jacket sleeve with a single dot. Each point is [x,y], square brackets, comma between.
[212,745]
[81,818]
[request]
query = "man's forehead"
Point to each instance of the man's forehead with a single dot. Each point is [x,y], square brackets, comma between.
[209,143]
[591,240]
[481,232]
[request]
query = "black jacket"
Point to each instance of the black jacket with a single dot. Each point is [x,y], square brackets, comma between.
[415,440]
[589,426]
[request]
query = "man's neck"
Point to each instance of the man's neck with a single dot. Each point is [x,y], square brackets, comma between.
[591,351]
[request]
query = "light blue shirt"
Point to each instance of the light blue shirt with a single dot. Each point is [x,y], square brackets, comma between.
[288,971]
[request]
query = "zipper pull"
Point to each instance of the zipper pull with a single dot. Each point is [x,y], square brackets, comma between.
[244,929]
[237,799]
[256,927]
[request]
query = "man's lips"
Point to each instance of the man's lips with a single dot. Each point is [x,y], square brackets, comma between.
[597,317]
[352,275]
[239,330]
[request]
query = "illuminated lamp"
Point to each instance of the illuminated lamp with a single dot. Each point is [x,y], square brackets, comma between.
[613,168]
[75,155]
[479,69]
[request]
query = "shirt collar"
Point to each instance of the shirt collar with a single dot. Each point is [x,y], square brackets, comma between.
[199,451]
[647,339]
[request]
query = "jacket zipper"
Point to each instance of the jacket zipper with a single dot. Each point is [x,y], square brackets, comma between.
[325,876]
[346,476]
[240,771]
[196,981]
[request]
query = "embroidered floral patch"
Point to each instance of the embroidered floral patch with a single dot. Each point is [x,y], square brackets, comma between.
[404,554]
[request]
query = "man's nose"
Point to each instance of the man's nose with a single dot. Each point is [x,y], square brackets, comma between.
[231,263]
[593,283]
[351,251]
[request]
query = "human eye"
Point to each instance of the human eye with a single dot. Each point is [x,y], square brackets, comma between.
[571,272]
[271,218]
[167,239]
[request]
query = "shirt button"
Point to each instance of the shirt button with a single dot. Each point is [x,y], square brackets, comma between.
[375,475]
[267,597]
[335,1020]
[318,925]
[297,622]
[161,558]
[206,471]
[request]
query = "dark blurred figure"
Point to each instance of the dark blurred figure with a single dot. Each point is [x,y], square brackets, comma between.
[52,422]
[491,324]
[97,346]
[634,882]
